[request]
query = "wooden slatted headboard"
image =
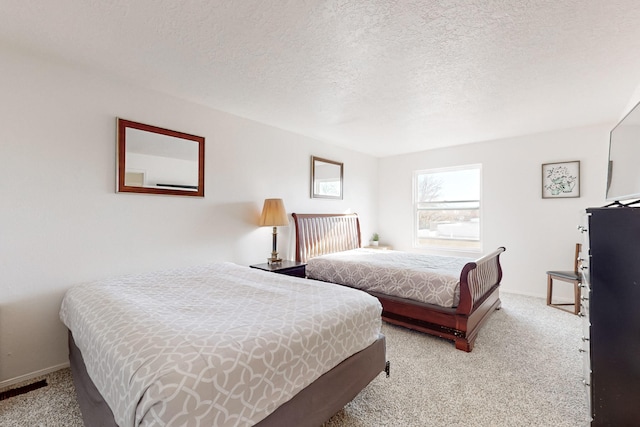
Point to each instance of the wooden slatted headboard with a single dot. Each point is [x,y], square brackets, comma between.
[319,234]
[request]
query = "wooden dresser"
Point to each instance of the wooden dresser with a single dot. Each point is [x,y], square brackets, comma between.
[611,312]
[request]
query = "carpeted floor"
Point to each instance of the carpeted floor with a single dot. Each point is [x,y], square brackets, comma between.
[525,370]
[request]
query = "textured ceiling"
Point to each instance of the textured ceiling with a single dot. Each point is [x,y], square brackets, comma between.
[380,77]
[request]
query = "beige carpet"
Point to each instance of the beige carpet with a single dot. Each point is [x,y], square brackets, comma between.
[525,370]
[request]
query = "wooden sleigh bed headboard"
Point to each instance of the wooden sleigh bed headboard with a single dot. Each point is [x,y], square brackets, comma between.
[321,234]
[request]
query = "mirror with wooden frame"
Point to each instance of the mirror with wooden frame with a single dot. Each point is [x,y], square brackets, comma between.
[155,160]
[326,178]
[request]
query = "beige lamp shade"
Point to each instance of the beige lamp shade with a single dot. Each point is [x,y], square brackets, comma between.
[273,213]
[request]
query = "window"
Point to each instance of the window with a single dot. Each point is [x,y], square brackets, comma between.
[447,208]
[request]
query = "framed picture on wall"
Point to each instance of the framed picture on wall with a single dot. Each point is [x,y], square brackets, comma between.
[561,180]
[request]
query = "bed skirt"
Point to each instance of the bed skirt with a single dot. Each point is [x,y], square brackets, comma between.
[312,406]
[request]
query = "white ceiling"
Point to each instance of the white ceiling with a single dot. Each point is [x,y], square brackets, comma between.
[379,77]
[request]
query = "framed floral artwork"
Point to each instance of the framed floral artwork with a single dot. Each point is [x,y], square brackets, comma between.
[561,180]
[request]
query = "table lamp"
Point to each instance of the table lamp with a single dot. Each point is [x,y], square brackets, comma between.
[273,215]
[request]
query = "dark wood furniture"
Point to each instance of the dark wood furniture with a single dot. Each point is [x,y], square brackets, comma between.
[290,268]
[611,293]
[319,234]
[569,277]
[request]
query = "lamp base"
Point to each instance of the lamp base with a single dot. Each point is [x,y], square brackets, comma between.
[274,249]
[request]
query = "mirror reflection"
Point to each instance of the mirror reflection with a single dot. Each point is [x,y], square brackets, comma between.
[159,161]
[326,178]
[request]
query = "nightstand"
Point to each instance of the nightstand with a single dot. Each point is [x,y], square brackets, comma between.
[290,268]
[381,247]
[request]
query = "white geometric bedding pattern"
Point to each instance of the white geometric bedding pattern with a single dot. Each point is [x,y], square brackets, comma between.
[426,278]
[216,345]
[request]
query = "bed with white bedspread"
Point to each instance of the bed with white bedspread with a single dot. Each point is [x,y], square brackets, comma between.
[449,297]
[430,279]
[219,345]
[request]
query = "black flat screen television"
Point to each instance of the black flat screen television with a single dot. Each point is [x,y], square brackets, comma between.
[623,181]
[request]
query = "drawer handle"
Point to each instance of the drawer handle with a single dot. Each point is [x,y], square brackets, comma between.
[586,383]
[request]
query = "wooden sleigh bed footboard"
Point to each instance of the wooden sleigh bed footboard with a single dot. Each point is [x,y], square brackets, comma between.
[319,234]
[479,297]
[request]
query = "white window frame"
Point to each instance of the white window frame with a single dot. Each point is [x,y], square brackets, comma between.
[471,245]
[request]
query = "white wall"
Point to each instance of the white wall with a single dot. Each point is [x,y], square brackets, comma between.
[61,222]
[539,234]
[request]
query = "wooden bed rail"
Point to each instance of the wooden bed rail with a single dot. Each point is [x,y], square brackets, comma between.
[478,277]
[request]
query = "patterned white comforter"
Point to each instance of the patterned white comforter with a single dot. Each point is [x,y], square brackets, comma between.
[426,278]
[219,345]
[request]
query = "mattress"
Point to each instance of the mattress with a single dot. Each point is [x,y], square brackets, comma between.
[425,278]
[220,345]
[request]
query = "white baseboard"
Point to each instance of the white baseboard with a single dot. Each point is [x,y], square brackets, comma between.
[526,294]
[31,375]
[556,299]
